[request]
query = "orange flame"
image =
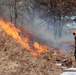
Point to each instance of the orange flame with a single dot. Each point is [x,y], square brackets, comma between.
[10,29]
[55,53]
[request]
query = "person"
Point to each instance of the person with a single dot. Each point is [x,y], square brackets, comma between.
[74,33]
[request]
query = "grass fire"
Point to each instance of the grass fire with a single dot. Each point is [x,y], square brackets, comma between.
[12,31]
[48,55]
[37,37]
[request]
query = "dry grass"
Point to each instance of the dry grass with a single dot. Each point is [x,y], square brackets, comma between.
[15,60]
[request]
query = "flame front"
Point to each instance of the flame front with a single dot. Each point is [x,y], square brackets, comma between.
[12,31]
[55,53]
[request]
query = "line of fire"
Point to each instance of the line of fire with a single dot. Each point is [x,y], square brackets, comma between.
[37,37]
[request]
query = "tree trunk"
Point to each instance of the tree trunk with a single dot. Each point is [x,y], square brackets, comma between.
[15,13]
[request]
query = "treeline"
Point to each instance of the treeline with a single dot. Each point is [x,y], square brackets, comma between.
[51,11]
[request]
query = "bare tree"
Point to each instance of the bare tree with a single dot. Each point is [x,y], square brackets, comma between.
[25,10]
